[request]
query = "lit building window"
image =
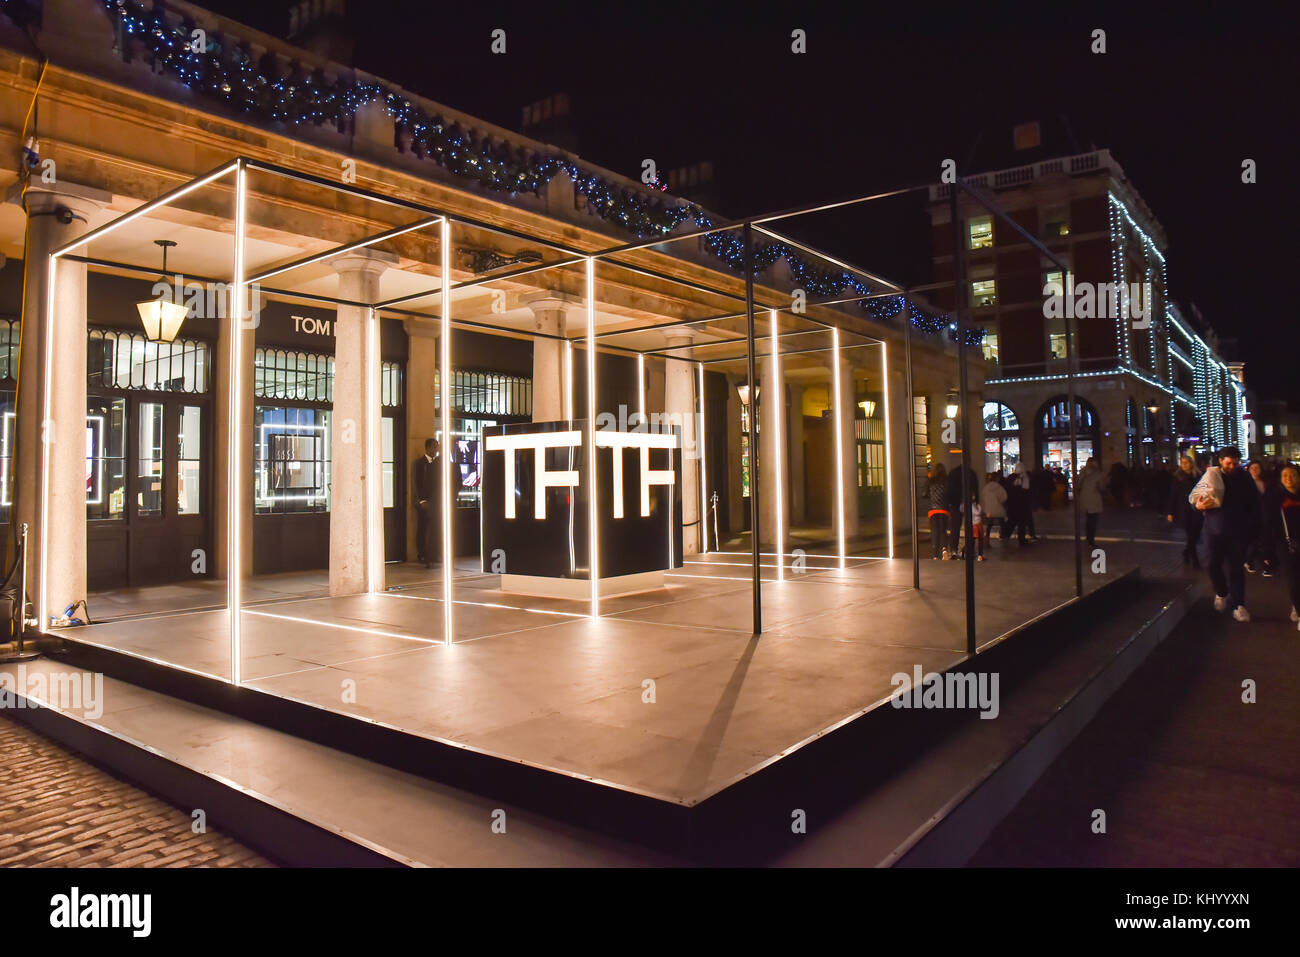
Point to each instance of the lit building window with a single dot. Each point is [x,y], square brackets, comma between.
[1268,429]
[1057,345]
[1056,221]
[984,292]
[981,232]
[991,347]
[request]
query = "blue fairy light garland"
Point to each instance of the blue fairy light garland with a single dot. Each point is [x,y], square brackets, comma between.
[268,90]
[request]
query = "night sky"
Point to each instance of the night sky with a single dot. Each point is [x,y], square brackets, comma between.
[876,104]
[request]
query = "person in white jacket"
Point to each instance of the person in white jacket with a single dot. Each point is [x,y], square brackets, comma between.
[993,500]
[1089,485]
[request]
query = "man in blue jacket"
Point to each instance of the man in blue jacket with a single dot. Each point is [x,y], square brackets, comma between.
[1230,527]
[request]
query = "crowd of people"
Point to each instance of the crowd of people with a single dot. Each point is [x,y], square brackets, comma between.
[1242,520]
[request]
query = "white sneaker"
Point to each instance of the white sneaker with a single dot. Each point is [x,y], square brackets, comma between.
[1240,614]
[1295,615]
[1220,603]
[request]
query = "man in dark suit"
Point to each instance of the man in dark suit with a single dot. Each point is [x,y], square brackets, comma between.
[427,486]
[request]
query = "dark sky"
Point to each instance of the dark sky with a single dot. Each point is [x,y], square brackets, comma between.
[875,104]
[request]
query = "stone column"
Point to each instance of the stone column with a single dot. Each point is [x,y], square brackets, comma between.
[356,499]
[56,216]
[679,404]
[774,498]
[550,316]
[224,442]
[845,409]
[421,413]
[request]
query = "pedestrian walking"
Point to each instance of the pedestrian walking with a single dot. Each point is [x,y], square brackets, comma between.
[955,506]
[1258,555]
[1228,499]
[1179,511]
[1020,503]
[993,500]
[937,493]
[1090,501]
[1283,525]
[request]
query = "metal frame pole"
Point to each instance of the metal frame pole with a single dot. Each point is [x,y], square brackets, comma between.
[753,429]
[911,440]
[958,288]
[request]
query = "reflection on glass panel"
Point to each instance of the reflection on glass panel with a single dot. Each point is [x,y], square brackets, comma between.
[189,473]
[387,457]
[7,440]
[291,459]
[744,442]
[9,349]
[105,457]
[469,457]
[149,475]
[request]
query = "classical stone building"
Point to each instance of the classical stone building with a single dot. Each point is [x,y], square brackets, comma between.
[133,101]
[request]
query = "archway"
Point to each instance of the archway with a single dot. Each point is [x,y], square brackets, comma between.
[1052,432]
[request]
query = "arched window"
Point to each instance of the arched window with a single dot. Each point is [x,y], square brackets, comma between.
[1001,438]
[1052,432]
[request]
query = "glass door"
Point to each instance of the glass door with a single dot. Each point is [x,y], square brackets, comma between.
[167,514]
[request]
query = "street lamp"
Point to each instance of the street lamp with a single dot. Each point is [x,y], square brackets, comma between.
[162,317]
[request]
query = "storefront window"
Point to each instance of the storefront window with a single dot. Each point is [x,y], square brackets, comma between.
[469,458]
[486,393]
[106,457]
[189,475]
[124,360]
[149,485]
[283,374]
[292,459]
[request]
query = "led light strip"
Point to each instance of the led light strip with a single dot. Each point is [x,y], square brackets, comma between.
[775,396]
[444,456]
[568,380]
[374,464]
[889,449]
[838,404]
[593,531]
[235,475]
[704,472]
[640,387]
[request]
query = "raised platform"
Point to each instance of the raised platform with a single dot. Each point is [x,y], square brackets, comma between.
[546,710]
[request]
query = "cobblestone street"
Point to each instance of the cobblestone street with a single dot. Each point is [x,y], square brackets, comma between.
[59,810]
